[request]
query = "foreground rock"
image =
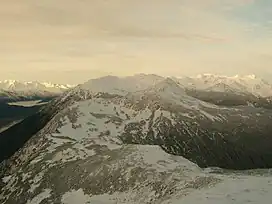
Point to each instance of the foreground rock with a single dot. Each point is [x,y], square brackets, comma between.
[69,171]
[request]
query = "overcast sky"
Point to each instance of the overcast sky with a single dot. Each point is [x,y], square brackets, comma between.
[71,41]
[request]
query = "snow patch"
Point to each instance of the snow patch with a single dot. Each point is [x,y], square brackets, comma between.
[39,198]
[6,179]
[36,182]
[160,160]
[74,197]
[242,190]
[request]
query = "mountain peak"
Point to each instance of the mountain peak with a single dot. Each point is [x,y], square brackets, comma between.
[251,76]
[206,75]
[122,85]
[168,83]
[168,89]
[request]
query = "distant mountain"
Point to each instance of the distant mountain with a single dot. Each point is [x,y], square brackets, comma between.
[121,85]
[33,87]
[215,89]
[12,90]
[249,84]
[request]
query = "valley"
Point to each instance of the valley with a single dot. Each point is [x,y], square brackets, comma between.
[19,100]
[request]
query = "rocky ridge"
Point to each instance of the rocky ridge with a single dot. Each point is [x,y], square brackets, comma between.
[101,147]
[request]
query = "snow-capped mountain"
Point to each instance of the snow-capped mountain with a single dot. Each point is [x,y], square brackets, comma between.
[249,84]
[102,145]
[12,90]
[121,85]
[242,85]
[33,87]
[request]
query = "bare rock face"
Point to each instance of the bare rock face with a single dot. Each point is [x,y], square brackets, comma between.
[124,174]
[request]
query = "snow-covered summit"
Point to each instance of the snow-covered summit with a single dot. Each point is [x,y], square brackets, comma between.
[33,86]
[168,85]
[238,83]
[210,75]
[122,85]
[247,84]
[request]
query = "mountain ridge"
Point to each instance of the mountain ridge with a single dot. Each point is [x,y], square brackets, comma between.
[182,108]
[244,84]
[34,86]
[145,144]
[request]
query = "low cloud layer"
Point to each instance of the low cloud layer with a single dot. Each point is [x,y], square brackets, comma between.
[83,39]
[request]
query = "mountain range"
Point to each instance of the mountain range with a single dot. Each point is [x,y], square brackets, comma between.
[249,84]
[17,90]
[235,84]
[16,86]
[143,139]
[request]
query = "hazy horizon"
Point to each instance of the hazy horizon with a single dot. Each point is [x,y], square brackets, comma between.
[135,74]
[69,41]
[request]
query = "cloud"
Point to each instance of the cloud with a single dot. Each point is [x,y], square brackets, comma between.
[127,36]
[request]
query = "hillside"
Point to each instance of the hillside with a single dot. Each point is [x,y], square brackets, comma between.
[148,145]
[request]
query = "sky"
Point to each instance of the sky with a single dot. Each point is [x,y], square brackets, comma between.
[71,41]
